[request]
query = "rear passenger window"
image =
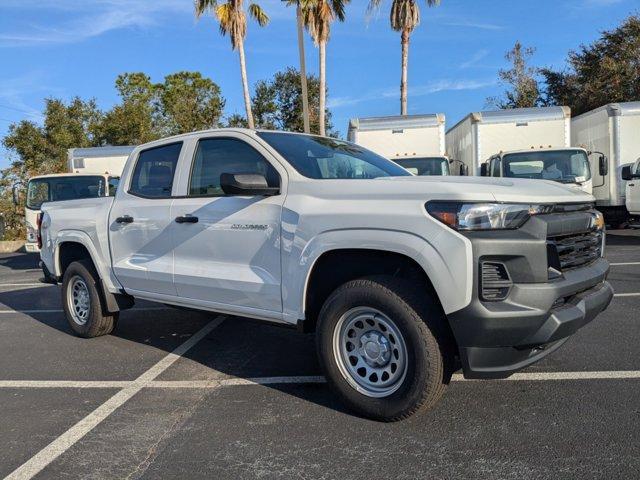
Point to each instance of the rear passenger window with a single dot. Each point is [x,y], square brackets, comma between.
[215,156]
[154,172]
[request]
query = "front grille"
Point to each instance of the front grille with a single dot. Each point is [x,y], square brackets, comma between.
[575,250]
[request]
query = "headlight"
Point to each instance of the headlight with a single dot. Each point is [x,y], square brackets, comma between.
[484,216]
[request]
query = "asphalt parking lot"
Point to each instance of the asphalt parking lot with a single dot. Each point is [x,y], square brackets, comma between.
[178,394]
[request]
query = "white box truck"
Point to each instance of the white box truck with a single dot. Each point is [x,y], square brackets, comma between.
[530,143]
[415,142]
[93,172]
[613,129]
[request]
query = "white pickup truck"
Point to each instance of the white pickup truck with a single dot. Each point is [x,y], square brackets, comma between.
[404,279]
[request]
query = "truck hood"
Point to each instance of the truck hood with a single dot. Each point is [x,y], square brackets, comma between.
[499,189]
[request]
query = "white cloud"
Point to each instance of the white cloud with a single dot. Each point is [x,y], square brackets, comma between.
[479,55]
[481,26]
[416,91]
[13,91]
[91,18]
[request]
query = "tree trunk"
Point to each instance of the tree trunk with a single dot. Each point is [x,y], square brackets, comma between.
[323,86]
[403,79]
[303,72]
[245,85]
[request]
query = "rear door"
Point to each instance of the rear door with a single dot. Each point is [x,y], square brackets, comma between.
[633,190]
[140,223]
[229,255]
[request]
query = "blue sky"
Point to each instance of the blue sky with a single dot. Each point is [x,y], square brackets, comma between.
[63,48]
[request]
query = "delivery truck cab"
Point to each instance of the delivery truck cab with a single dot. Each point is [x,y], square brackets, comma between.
[93,172]
[631,173]
[415,142]
[613,129]
[565,165]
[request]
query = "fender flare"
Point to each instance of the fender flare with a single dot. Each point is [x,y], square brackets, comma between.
[109,281]
[448,276]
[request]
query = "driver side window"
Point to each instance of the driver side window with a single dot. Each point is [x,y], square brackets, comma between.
[215,156]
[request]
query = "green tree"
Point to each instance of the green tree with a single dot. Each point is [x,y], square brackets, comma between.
[277,102]
[43,149]
[38,149]
[606,71]
[132,121]
[187,102]
[521,79]
[236,120]
[404,18]
[318,16]
[233,21]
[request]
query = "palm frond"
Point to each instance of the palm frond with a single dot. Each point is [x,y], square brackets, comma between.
[202,6]
[258,14]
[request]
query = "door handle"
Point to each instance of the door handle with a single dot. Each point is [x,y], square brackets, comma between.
[632,184]
[124,219]
[187,219]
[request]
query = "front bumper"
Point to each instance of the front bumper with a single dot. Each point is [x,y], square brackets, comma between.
[496,339]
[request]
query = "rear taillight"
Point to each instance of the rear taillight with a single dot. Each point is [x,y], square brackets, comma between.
[39,227]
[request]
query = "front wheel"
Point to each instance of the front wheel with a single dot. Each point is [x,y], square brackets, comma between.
[382,348]
[81,301]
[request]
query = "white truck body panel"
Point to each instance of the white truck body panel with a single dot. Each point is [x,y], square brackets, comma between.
[398,137]
[201,265]
[480,135]
[614,130]
[98,160]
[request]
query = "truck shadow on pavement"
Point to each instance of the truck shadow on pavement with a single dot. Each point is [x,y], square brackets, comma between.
[20,261]
[237,348]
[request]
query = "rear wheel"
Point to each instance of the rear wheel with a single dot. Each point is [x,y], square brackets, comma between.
[82,303]
[383,347]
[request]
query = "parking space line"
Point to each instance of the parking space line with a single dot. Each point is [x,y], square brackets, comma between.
[59,310]
[626,295]
[620,264]
[65,441]
[38,284]
[65,383]
[302,379]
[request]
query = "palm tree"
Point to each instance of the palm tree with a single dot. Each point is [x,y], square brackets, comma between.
[233,21]
[303,68]
[317,16]
[405,17]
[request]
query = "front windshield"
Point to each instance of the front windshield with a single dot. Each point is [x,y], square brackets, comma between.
[565,166]
[425,166]
[55,189]
[328,158]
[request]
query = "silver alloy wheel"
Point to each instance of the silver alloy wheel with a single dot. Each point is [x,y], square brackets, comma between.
[370,351]
[79,300]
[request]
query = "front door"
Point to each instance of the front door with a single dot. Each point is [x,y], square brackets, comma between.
[140,223]
[227,251]
[633,190]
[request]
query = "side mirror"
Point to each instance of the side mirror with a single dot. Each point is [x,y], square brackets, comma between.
[483,170]
[16,194]
[246,184]
[464,169]
[603,165]
[626,173]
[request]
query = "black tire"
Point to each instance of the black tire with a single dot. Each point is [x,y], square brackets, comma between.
[97,322]
[429,347]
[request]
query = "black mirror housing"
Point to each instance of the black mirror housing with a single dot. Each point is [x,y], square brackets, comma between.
[246,184]
[626,173]
[603,165]
[483,170]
